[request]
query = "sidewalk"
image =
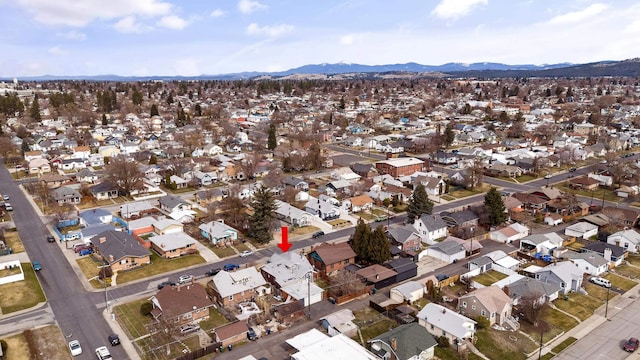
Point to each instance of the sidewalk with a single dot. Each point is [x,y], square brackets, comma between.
[126,344]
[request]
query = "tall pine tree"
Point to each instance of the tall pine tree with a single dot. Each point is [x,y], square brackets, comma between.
[419,204]
[495,206]
[264,207]
[360,240]
[271,140]
[378,251]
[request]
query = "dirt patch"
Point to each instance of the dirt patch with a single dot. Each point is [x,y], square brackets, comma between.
[13,241]
[47,343]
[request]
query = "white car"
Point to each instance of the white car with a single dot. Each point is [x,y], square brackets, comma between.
[246,253]
[74,347]
[183,279]
[103,353]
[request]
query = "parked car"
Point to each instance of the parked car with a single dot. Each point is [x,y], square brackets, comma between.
[36,265]
[5,197]
[189,328]
[114,339]
[548,176]
[631,345]
[51,239]
[317,234]
[75,348]
[8,206]
[231,267]
[212,272]
[103,353]
[573,169]
[79,248]
[87,251]
[380,218]
[600,281]
[183,279]
[246,253]
[69,237]
[251,334]
[165,283]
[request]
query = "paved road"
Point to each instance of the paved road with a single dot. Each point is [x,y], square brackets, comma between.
[74,312]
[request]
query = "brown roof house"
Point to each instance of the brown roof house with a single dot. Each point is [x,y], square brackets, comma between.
[361,203]
[181,304]
[231,288]
[120,250]
[231,333]
[330,258]
[489,302]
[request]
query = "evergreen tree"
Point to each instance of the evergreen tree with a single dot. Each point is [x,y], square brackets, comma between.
[271,141]
[378,250]
[136,97]
[154,110]
[495,206]
[105,122]
[264,207]
[360,240]
[34,110]
[419,204]
[449,135]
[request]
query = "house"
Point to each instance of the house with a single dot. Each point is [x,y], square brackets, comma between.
[407,292]
[292,215]
[282,269]
[218,233]
[489,302]
[398,167]
[541,243]
[434,186]
[173,245]
[584,183]
[104,191]
[205,197]
[314,345]
[431,227]
[296,183]
[330,258]
[364,169]
[178,182]
[564,274]
[174,203]
[86,176]
[95,217]
[406,342]
[121,250]
[612,253]
[53,180]
[136,209]
[167,226]
[509,234]
[530,288]
[627,239]
[405,237]
[66,195]
[553,219]
[38,166]
[440,321]
[361,203]
[204,178]
[449,250]
[404,267]
[588,262]
[340,322]
[322,207]
[304,290]
[581,229]
[231,334]
[232,288]
[464,218]
[626,216]
[180,305]
[378,275]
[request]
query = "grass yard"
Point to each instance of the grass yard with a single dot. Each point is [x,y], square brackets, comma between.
[563,345]
[490,277]
[12,238]
[503,344]
[578,305]
[155,346]
[241,247]
[130,318]
[629,271]
[159,266]
[22,294]
[598,292]
[633,260]
[17,348]
[300,230]
[215,319]
[377,328]
[223,252]
[620,282]
[90,270]
[557,321]
[366,315]
[525,178]
[597,194]
[460,193]
[49,340]
[365,216]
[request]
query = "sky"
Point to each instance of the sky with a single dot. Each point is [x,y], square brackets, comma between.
[194,37]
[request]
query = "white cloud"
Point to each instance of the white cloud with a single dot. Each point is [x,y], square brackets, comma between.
[130,25]
[73,35]
[454,9]
[80,13]
[269,30]
[577,16]
[218,13]
[57,51]
[173,22]
[187,67]
[249,6]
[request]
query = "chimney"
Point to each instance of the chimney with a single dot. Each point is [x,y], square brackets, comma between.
[394,344]
[110,258]
[103,239]
[506,289]
[607,254]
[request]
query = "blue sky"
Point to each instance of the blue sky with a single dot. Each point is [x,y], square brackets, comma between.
[192,37]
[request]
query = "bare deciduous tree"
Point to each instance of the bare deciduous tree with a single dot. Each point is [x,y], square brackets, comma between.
[124,174]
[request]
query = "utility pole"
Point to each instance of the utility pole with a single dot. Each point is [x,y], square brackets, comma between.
[309,275]
[606,306]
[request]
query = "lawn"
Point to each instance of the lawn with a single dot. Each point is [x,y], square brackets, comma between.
[460,193]
[12,238]
[628,271]
[598,292]
[17,347]
[578,305]
[223,252]
[21,295]
[159,266]
[563,345]
[377,328]
[302,230]
[525,178]
[633,260]
[241,247]
[503,344]
[365,216]
[597,194]
[620,282]
[557,323]
[488,278]
[90,270]
[130,318]
[155,346]
[215,319]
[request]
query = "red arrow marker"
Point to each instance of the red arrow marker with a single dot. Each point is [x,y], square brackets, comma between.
[284,246]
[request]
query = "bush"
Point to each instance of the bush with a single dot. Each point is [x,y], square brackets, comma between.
[145,308]
[443,342]
[482,322]
[105,272]
[4,346]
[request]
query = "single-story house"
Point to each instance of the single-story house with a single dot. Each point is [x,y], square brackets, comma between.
[490,302]
[173,245]
[181,304]
[440,321]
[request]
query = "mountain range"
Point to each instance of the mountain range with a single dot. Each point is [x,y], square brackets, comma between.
[630,67]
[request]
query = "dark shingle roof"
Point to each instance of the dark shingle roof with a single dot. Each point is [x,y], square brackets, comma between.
[118,245]
[411,340]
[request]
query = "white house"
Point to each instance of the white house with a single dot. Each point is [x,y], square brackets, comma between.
[589,262]
[541,243]
[628,239]
[407,292]
[448,250]
[509,234]
[564,274]
[431,227]
[440,321]
[581,229]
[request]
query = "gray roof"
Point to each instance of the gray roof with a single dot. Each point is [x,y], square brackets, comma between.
[118,244]
[460,217]
[402,233]
[433,222]
[448,246]
[411,340]
[594,259]
[527,286]
[600,246]
[64,192]
[171,201]
[287,267]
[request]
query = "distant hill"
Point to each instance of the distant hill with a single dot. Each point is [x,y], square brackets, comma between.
[630,67]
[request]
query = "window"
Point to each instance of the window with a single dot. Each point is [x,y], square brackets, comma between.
[473,307]
[230,297]
[432,327]
[483,313]
[186,316]
[493,314]
[464,304]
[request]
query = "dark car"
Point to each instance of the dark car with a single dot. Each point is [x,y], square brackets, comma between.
[79,248]
[572,170]
[631,345]
[317,234]
[231,267]
[87,251]
[114,339]
[251,335]
[51,239]
[166,283]
[212,272]
[441,277]
[37,266]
